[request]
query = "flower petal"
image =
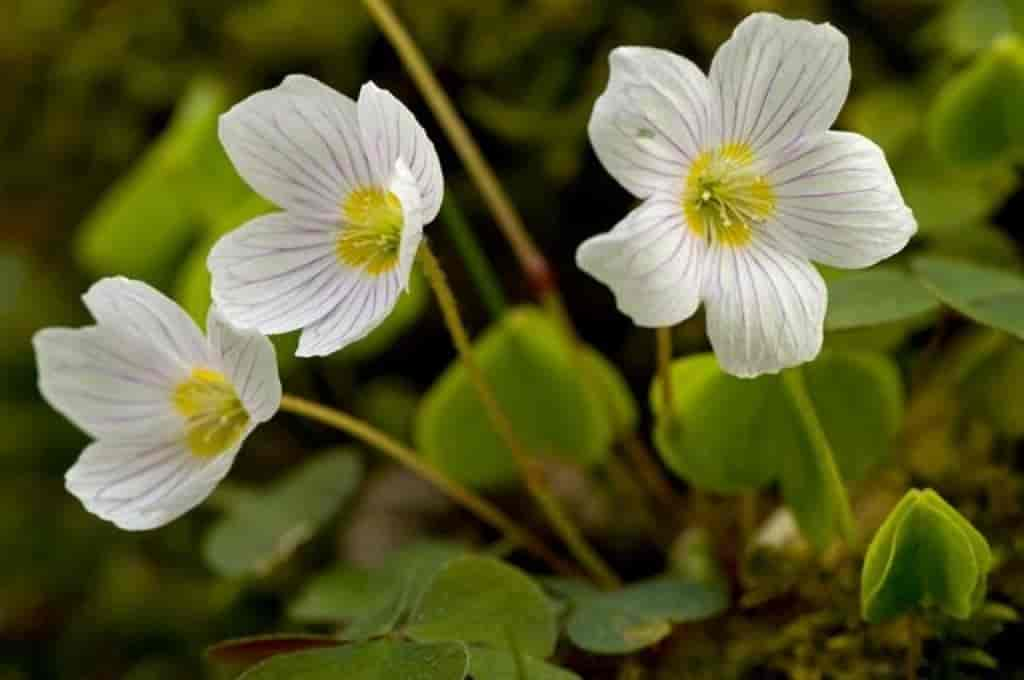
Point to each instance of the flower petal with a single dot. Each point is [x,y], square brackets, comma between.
[652,262]
[777,81]
[837,203]
[138,308]
[298,145]
[390,132]
[107,382]
[652,120]
[250,363]
[765,308]
[143,485]
[406,188]
[276,274]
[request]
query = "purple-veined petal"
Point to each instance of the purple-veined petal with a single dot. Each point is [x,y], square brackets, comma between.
[250,364]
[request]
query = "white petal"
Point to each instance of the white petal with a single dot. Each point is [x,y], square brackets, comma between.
[298,145]
[108,383]
[778,80]
[143,485]
[355,313]
[652,120]
[837,203]
[276,274]
[250,363]
[138,308]
[390,132]
[765,308]
[406,188]
[652,262]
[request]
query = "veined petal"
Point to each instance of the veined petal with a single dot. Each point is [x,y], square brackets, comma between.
[390,132]
[777,81]
[653,263]
[298,145]
[143,311]
[652,120]
[250,364]
[837,203]
[406,188]
[765,308]
[276,274]
[142,484]
[361,307]
[107,382]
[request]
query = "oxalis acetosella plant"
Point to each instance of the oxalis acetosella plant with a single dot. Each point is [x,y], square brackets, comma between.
[748,203]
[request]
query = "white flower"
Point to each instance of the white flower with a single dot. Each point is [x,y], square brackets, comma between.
[169,408]
[357,183]
[742,185]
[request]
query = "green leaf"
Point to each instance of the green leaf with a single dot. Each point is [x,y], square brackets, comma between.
[251,650]
[989,296]
[545,391]
[143,225]
[926,554]
[876,296]
[733,434]
[378,660]
[495,664]
[480,600]
[994,391]
[975,118]
[345,592]
[261,533]
[640,615]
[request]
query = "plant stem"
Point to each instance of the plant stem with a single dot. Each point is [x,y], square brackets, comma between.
[532,261]
[795,383]
[477,264]
[410,459]
[649,471]
[664,341]
[913,647]
[534,481]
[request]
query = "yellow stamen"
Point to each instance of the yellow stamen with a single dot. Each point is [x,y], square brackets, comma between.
[372,232]
[215,417]
[723,199]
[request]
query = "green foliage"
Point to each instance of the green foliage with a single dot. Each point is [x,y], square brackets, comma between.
[731,434]
[989,296]
[977,118]
[924,555]
[480,600]
[563,403]
[876,296]
[496,664]
[377,660]
[266,529]
[638,615]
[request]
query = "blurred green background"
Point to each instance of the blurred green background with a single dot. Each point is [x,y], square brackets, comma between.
[109,164]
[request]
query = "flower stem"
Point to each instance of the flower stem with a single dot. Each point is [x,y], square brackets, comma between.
[477,264]
[532,477]
[795,383]
[410,459]
[664,339]
[913,647]
[532,261]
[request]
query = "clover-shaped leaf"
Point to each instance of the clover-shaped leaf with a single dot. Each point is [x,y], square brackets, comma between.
[991,297]
[377,660]
[924,555]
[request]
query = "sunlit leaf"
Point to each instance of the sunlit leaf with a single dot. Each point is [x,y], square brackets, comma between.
[378,660]
[260,534]
[925,554]
[876,296]
[544,387]
[989,296]
[481,600]
[641,614]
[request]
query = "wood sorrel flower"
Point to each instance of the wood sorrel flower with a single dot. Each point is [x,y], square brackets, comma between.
[743,185]
[169,408]
[357,182]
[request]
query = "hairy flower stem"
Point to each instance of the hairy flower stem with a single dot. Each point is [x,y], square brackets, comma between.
[405,456]
[796,385]
[664,340]
[532,261]
[532,476]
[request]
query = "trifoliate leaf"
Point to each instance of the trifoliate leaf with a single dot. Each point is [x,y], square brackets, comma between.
[989,296]
[496,664]
[377,660]
[876,296]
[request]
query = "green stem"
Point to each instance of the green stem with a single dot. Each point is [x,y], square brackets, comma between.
[527,466]
[477,264]
[795,383]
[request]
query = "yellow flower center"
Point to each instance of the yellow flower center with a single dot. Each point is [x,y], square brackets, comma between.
[372,233]
[215,417]
[724,199]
